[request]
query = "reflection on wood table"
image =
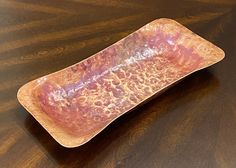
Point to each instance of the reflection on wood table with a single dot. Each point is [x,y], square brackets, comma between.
[193,124]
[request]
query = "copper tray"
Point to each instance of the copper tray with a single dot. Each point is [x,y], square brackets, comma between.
[76,103]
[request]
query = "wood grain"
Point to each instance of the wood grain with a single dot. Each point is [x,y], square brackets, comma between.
[193,124]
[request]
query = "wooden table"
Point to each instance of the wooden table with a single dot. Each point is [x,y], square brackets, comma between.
[192,124]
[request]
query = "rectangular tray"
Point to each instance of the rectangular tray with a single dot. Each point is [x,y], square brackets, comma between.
[76,103]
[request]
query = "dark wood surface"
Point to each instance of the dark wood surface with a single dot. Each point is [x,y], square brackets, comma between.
[193,124]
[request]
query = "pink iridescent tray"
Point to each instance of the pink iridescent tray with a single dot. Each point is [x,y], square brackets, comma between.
[76,103]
